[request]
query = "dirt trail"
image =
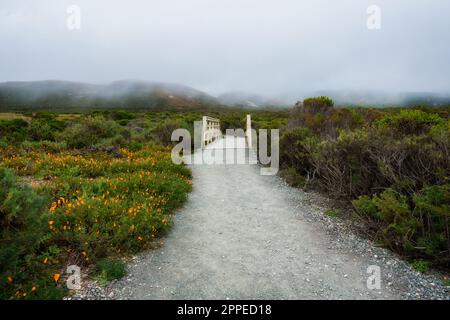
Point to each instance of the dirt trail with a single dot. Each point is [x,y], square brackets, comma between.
[246,236]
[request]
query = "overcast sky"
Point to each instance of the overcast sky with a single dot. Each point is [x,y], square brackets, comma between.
[262,46]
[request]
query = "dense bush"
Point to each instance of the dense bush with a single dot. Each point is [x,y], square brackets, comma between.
[418,226]
[13,131]
[326,121]
[88,190]
[297,146]
[408,122]
[394,164]
[26,256]
[93,205]
[89,132]
[163,132]
[318,103]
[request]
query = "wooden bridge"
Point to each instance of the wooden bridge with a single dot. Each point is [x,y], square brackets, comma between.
[211,131]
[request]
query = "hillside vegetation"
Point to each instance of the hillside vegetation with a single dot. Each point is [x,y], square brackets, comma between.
[392,164]
[65,96]
[85,191]
[91,188]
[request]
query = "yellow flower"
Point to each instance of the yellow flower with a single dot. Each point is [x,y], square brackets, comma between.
[56,277]
[51,222]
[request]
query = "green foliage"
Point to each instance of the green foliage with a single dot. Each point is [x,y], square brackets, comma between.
[333,213]
[13,131]
[44,128]
[446,282]
[110,269]
[296,148]
[89,132]
[358,152]
[100,191]
[421,265]
[367,207]
[318,102]
[293,178]
[163,132]
[24,237]
[419,227]
[410,122]
[432,204]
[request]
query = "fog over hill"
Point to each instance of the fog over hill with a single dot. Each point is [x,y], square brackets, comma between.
[145,95]
[128,94]
[280,50]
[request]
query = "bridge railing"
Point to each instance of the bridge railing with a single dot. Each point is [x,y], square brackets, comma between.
[248,132]
[211,130]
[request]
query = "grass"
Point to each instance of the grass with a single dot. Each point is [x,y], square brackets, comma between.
[68,116]
[446,282]
[333,213]
[421,266]
[12,115]
[108,270]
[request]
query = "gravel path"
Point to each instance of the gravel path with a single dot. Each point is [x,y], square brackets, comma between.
[246,236]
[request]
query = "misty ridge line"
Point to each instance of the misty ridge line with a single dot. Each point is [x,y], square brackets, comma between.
[264,54]
[161,95]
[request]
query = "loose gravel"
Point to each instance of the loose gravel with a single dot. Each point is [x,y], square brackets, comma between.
[242,235]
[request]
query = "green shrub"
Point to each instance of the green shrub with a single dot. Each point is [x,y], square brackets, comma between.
[24,243]
[325,121]
[89,132]
[418,225]
[421,265]
[333,213]
[410,122]
[48,146]
[318,103]
[13,131]
[392,209]
[432,204]
[121,115]
[293,178]
[296,148]
[44,127]
[163,132]
[110,269]
[345,167]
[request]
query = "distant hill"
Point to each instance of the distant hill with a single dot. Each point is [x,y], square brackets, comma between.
[128,94]
[251,100]
[55,95]
[381,99]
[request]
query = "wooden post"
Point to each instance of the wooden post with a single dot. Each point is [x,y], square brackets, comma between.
[248,131]
[205,127]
